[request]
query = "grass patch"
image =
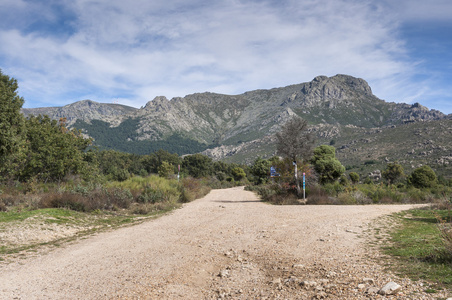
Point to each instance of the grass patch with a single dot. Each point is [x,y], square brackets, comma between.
[418,247]
[86,223]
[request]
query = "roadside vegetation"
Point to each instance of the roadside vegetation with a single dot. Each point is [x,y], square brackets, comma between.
[420,244]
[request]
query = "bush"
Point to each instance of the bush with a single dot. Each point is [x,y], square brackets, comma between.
[2,206]
[317,196]
[238,173]
[333,189]
[423,177]
[345,198]
[99,198]
[165,169]
[445,229]
[265,191]
[360,197]
[354,177]
[284,199]
[415,195]
[192,189]
[67,200]
[149,195]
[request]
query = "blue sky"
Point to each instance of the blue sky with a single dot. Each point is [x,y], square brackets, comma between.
[62,51]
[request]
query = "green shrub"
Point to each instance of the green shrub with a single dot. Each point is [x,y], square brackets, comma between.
[166,169]
[238,173]
[186,195]
[423,177]
[354,177]
[265,191]
[220,175]
[260,170]
[333,189]
[150,195]
[192,188]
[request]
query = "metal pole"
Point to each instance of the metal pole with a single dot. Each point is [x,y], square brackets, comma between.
[304,186]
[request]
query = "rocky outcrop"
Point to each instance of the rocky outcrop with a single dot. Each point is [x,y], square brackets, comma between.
[405,113]
[335,107]
[85,110]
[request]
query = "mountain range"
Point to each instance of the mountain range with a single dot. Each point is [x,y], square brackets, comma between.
[342,110]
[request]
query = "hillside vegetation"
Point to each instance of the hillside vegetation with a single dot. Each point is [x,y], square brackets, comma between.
[341,110]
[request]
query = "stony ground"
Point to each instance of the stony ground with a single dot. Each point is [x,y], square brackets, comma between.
[227,245]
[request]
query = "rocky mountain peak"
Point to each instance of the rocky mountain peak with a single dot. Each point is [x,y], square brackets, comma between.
[357,84]
[331,91]
[159,103]
[86,110]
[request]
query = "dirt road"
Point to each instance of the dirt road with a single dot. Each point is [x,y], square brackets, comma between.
[226,245]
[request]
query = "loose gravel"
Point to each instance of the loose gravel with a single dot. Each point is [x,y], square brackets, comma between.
[227,245]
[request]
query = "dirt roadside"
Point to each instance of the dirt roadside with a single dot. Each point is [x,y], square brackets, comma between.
[226,245]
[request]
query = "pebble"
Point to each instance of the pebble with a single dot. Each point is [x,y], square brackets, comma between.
[390,288]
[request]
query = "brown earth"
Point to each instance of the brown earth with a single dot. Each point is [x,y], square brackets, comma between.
[226,245]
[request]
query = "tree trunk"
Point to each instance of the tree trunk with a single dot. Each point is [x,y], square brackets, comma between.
[297,182]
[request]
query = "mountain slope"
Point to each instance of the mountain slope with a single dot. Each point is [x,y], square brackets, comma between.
[341,109]
[85,110]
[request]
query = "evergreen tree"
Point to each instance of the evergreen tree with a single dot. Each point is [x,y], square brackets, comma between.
[326,164]
[393,172]
[354,177]
[198,165]
[12,147]
[261,170]
[423,177]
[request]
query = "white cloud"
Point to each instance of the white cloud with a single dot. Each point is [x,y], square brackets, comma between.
[136,50]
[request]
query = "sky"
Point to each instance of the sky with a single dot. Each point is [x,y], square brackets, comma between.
[128,52]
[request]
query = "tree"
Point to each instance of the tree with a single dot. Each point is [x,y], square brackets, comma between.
[153,161]
[326,165]
[393,172]
[261,169]
[166,169]
[354,177]
[12,128]
[295,142]
[198,165]
[423,177]
[53,150]
[238,173]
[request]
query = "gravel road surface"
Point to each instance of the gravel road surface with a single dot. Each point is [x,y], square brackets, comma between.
[226,245]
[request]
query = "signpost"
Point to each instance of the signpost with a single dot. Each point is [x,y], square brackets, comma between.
[304,186]
[272,171]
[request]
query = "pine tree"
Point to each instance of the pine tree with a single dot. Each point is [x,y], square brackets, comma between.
[12,129]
